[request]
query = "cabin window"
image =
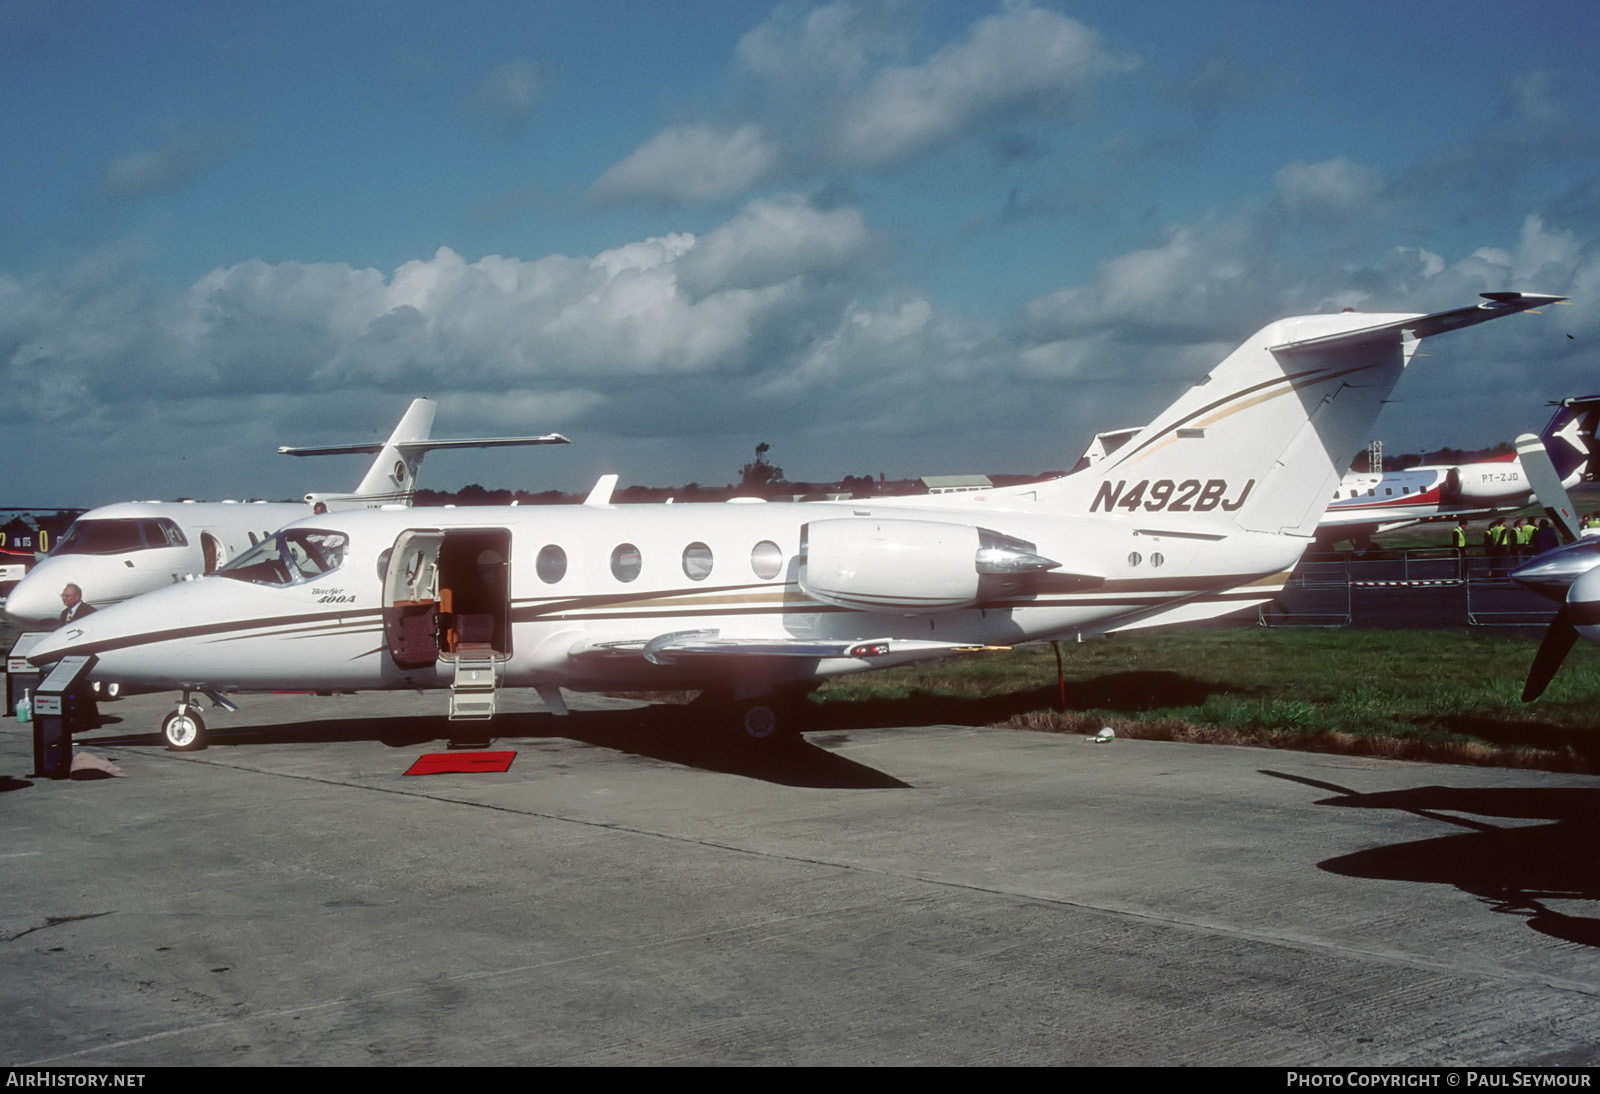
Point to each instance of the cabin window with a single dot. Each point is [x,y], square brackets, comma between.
[1388,490]
[289,558]
[1405,489]
[1157,559]
[697,562]
[625,562]
[1134,558]
[551,565]
[766,559]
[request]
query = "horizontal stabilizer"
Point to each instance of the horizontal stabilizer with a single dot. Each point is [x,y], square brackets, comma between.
[419,446]
[1425,326]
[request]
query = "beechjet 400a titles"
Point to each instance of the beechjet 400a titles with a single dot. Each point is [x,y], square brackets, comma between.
[1204,512]
[119,551]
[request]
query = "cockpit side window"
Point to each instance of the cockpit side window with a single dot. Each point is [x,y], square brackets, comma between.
[117,537]
[289,558]
[101,537]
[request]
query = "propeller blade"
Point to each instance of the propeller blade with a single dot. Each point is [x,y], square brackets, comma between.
[1553,650]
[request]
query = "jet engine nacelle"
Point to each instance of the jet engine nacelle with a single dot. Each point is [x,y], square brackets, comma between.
[910,566]
[1469,482]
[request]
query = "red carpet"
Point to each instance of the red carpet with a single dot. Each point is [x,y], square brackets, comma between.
[441,763]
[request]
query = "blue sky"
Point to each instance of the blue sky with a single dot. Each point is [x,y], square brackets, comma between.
[917,238]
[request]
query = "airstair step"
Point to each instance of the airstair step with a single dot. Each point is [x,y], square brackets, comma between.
[472,694]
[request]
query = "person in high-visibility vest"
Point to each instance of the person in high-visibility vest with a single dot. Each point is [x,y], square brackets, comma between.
[1502,544]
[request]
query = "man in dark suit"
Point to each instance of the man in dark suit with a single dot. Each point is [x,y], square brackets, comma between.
[76,607]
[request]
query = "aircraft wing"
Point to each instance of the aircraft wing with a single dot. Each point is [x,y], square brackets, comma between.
[1425,326]
[680,645]
[420,446]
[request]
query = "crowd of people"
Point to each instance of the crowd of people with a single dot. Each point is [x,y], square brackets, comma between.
[1507,545]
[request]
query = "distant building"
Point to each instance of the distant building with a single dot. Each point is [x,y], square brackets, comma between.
[956,484]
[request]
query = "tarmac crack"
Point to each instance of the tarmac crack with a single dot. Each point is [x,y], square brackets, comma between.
[56,921]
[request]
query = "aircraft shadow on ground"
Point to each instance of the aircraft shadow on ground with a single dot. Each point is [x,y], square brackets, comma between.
[1520,734]
[1124,692]
[671,734]
[1515,869]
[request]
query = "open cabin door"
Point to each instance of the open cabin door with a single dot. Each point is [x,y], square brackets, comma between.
[411,598]
[447,594]
[475,594]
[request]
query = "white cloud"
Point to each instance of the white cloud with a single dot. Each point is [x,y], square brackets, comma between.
[773,322]
[828,46]
[825,96]
[1333,186]
[690,163]
[1023,63]
[507,94]
[183,153]
[773,241]
[667,305]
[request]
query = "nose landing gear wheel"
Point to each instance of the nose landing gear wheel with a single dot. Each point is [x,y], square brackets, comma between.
[183,730]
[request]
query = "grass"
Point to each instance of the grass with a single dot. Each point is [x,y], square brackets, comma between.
[1443,696]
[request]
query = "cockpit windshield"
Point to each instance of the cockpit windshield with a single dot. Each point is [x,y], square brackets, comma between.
[116,537]
[288,558]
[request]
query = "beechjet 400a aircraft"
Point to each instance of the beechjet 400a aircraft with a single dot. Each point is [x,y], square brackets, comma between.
[119,551]
[1204,512]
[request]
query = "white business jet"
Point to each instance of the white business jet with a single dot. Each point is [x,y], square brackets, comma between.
[119,551]
[1204,512]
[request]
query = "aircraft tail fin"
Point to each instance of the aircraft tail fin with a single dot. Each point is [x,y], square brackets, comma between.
[1569,437]
[1262,441]
[392,478]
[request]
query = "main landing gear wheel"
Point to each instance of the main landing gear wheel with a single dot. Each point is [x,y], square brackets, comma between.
[183,730]
[760,721]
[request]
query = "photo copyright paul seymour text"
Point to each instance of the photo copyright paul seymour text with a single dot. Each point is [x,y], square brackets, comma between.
[1438,1079]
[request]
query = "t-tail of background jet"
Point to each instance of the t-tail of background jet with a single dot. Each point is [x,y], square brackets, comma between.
[1261,442]
[1569,438]
[392,478]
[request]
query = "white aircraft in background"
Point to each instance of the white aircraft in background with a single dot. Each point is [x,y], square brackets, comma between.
[119,551]
[1203,512]
[1366,503]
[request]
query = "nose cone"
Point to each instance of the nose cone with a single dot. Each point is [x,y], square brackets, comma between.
[36,600]
[122,637]
[75,637]
[1583,605]
[1554,572]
